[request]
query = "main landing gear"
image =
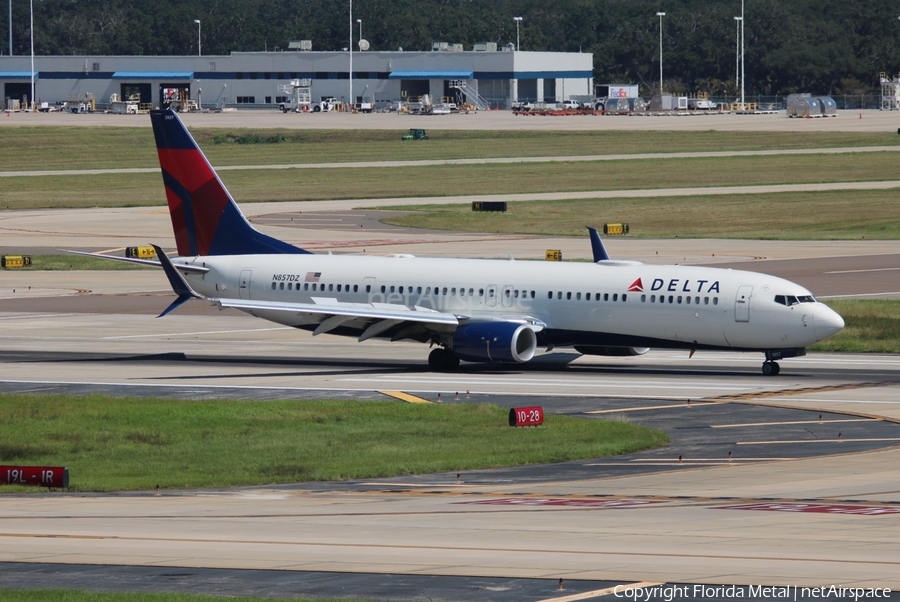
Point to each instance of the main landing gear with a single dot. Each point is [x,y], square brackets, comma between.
[442,360]
[771,368]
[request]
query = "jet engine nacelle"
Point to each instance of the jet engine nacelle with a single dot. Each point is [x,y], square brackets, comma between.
[495,342]
[611,351]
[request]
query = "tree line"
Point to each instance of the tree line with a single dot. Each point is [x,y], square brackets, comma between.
[822,46]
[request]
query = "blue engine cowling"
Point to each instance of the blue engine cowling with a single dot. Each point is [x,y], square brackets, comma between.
[495,342]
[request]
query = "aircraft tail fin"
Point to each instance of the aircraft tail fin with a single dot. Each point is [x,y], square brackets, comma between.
[205,217]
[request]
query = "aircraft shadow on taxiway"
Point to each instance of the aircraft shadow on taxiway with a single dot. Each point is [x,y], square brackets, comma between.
[554,362]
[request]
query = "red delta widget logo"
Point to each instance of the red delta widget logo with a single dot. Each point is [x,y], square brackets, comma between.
[686,286]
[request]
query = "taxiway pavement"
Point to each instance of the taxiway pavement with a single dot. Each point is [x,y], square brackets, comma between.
[845,121]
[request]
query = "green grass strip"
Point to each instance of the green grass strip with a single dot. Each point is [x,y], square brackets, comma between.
[871,326]
[132,190]
[133,443]
[72,147]
[832,215]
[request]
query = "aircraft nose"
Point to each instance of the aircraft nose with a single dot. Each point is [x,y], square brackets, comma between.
[826,322]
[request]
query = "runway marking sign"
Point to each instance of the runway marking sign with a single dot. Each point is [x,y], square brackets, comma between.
[818,508]
[570,502]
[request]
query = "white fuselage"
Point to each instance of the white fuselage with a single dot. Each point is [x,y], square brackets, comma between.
[623,304]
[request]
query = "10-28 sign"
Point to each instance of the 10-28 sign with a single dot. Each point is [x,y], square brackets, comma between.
[533,416]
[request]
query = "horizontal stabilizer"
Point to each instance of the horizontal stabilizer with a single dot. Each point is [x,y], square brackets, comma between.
[176,281]
[148,262]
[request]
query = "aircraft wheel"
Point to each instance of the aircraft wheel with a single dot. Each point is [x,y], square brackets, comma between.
[771,368]
[442,360]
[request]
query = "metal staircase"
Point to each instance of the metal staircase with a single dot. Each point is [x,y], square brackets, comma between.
[471,95]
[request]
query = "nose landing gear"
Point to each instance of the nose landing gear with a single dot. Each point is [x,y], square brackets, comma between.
[771,368]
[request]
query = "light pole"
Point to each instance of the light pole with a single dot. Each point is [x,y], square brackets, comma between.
[743,72]
[197,21]
[517,20]
[360,28]
[660,15]
[737,51]
[350,97]
[10,28]
[31,100]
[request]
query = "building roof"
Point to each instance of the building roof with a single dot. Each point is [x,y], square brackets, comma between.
[431,75]
[17,75]
[174,75]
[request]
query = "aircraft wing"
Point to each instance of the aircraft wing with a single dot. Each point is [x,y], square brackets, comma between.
[340,313]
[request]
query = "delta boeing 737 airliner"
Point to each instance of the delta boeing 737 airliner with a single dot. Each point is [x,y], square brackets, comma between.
[475,310]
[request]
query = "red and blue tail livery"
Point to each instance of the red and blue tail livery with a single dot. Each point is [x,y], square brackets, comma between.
[205,217]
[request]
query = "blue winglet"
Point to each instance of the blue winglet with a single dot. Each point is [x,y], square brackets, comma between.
[176,281]
[597,247]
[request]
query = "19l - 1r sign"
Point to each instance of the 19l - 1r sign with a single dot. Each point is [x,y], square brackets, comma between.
[41,476]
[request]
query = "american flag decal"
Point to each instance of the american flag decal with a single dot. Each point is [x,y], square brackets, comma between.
[313,276]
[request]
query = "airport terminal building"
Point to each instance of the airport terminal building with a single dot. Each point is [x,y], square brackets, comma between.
[500,77]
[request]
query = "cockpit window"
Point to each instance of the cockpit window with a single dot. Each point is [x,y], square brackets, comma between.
[790,300]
